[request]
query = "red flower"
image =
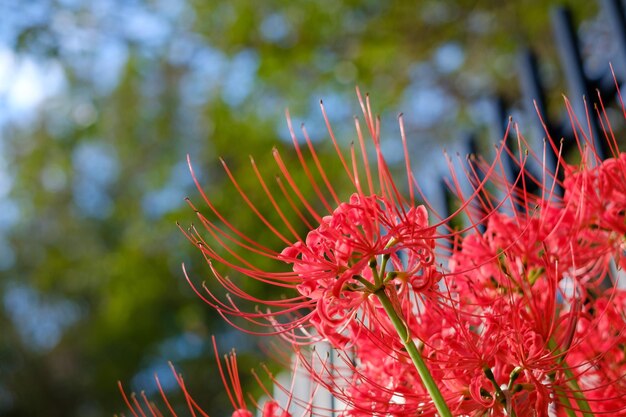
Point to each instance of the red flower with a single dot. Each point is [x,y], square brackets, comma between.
[506,320]
[334,267]
[337,261]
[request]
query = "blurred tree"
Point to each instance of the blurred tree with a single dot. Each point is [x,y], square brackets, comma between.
[100,102]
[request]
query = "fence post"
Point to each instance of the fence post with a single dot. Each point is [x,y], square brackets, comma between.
[578,84]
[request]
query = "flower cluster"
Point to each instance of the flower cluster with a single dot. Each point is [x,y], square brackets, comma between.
[336,263]
[520,313]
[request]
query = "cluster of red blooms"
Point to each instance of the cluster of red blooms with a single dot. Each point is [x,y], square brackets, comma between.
[521,313]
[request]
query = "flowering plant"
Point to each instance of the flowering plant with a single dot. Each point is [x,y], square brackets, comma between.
[520,313]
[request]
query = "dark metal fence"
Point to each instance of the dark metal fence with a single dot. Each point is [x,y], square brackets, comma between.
[579,84]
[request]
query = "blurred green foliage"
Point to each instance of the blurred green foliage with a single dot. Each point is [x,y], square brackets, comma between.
[91,284]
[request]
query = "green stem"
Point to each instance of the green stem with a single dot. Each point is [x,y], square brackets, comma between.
[368,285]
[579,397]
[572,384]
[414,353]
[564,401]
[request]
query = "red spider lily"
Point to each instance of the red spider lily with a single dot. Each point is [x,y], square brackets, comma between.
[335,263]
[378,241]
[535,282]
[507,320]
[528,302]
[332,275]
[603,189]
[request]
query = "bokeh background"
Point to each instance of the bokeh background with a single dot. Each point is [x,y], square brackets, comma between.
[101,101]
